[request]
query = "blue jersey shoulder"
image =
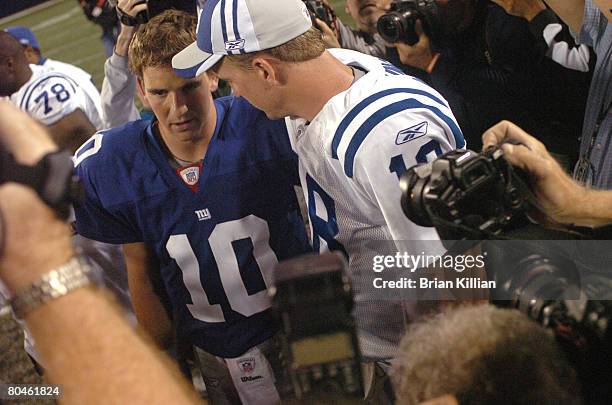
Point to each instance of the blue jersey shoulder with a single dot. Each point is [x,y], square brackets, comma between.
[116,164]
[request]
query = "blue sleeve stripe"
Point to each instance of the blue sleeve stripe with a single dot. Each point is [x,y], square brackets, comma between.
[393,72]
[346,121]
[384,113]
[31,87]
[391,68]
[28,93]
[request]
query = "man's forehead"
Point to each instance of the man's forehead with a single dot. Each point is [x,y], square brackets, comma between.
[162,77]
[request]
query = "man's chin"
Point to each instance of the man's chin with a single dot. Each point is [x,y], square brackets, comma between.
[274,115]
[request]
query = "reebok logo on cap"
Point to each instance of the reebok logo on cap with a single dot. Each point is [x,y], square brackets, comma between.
[234,27]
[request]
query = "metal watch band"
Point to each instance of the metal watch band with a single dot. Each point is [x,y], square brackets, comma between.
[74,274]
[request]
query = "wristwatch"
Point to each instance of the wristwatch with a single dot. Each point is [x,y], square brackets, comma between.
[74,274]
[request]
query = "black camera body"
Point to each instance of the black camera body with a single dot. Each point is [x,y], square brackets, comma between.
[464,190]
[52,178]
[322,11]
[471,196]
[398,25]
[155,7]
[313,301]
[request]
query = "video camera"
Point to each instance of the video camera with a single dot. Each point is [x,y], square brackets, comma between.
[398,25]
[474,196]
[312,299]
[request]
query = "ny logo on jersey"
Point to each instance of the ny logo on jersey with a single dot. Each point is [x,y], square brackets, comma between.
[203,215]
[412,133]
[234,45]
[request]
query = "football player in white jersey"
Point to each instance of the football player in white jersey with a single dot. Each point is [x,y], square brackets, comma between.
[356,123]
[31,48]
[52,98]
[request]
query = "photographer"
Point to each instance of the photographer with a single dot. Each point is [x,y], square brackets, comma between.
[592,19]
[364,38]
[490,66]
[84,340]
[119,85]
[482,355]
[563,199]
[102,13]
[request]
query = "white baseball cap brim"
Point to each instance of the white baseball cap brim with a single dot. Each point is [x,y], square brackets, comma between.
[192,61]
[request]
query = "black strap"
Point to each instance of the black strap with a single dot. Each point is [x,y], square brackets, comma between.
[126,19]
[52,178]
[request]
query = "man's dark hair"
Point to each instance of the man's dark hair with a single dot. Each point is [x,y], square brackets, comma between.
[483,355]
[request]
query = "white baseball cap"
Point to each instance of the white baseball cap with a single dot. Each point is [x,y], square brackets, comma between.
[234,27]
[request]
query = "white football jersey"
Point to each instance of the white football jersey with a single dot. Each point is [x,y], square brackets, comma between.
[351,156]
[49,96]
[78,75]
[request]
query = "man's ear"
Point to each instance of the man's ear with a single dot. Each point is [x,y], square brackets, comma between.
[213,81]
[142,95]
[140,86]
[267,70]
[10,64]
[32,56]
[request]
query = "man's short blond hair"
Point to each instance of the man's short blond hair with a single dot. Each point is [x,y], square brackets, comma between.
[156,42]
[303,48]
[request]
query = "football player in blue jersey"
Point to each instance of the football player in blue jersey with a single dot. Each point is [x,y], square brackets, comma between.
[355,121]
[208,186]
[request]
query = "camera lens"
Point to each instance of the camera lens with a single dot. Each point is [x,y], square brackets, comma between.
[390,27]
[398,27]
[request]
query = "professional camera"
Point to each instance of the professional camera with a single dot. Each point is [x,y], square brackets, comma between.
[466,195]
[154,7]
[322,11]
[312,298]
[398,25]
[541,282]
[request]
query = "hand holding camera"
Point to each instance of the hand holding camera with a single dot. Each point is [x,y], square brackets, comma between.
[34,238]
[127,10]
[419,54]
[560,196]
[132,12]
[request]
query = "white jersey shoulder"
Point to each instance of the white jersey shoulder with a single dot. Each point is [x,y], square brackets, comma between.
[83,79]
[386,113]
[49,96]
[70,70]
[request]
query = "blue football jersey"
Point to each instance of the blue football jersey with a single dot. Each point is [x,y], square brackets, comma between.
[217,246]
